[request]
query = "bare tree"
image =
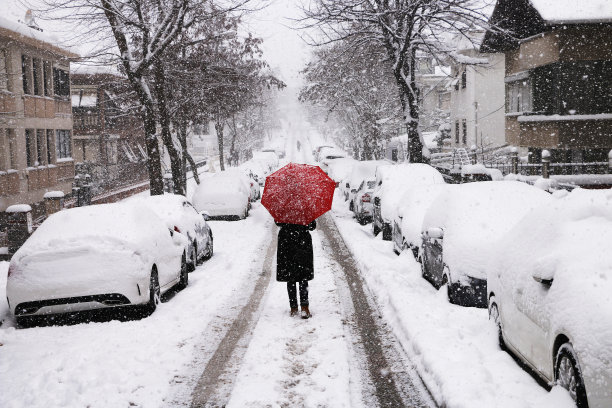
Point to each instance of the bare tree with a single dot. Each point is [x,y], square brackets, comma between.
[404,28]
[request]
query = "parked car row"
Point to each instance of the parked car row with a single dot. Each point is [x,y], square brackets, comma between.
[121,255]
[540,263]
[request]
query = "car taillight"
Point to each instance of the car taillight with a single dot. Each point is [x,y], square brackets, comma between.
[177,229]
[251,184]
[365,198]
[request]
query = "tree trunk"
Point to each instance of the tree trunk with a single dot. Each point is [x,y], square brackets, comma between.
[410,107]
[153,162]
[164,119]
[182,129]
[219,130]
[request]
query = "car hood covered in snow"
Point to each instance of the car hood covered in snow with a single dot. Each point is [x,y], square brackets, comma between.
[474,216]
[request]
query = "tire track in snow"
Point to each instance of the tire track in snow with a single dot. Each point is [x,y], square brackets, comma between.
[215,383]
[395,380]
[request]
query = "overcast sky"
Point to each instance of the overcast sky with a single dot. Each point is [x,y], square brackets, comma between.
[283,48]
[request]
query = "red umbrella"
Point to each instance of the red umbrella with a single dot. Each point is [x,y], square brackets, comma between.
[298,194]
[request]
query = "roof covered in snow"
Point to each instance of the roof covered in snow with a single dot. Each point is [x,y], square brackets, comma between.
[21,32]
[573,11]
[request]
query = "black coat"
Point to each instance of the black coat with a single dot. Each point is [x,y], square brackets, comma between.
[294,253]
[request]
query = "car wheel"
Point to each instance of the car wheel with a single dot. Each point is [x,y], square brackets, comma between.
[209,246]
[193,259]
[154,291]
[386,231]
[184,275]
[569,376]
[494,317]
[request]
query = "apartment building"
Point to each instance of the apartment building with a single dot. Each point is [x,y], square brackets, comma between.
[36,143]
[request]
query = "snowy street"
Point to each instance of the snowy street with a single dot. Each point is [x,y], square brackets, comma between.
[380,336]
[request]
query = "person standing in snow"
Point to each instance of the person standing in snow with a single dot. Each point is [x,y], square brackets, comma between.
[294,263]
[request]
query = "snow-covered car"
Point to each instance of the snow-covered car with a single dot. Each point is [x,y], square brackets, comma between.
[181,216]
[328,157]
[412,207]
[550,294]
[95,257]
[256,170]
[460,227]
[361,202]
[339,169]
[317,150]
[222,197]
[278,152]
[250,186]
[362,170]
[270,159]
[392,182]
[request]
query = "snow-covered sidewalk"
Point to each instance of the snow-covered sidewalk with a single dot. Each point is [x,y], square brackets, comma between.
[455,348]
[136,363]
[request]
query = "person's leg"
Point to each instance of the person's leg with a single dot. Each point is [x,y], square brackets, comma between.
[304,293]
[292,295]
[304,299]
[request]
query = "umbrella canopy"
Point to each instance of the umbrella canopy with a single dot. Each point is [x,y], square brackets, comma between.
[298,194]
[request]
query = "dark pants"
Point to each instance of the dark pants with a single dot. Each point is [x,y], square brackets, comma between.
[293,295]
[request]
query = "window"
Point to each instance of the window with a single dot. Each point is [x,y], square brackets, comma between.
[464,128]
[63,144]
[26,74]
[519,96]
[29,136]
[457,132]
[47,78]
[40,147]
[111,152]
[50,146]
[37,71]
[61,82]
[464,78]
[12,149]
[3,70]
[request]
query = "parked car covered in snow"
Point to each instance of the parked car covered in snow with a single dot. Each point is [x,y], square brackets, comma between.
[250,186]
[95,257]
[256,170]
[269,159]
[460,227]
[222,197]
[339,169]
[550,294]
[329,156]
[392,181]
[181,216]
[411,210]
[317,151]
[361,202]
[362,170]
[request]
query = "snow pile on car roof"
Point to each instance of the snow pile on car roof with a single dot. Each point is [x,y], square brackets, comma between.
[475,215]
[364,170]
[339,169]
[217,193]
[574,11]
[398,179]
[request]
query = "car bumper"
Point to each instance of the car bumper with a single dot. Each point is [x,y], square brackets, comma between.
[66,283]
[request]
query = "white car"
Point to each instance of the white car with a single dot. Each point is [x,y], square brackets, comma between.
[250,184]
[317,151]
[460,227]
[412,208]
[392,182]
[329,156]
[180,215]
[222,197]
[339,169]
[94,257]
[362,170]
[269,158]
[550,294]
[361,201]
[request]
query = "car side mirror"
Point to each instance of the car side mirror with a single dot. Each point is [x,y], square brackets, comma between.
[434,233]
[205,215]
[543,278]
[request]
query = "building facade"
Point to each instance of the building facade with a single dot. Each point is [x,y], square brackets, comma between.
[558,78]
[36,144]
[109,140]
[477,98]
